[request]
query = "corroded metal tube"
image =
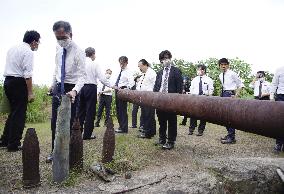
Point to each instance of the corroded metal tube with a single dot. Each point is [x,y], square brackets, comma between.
[256,116]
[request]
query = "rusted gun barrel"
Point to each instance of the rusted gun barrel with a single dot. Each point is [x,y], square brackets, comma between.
[255,116]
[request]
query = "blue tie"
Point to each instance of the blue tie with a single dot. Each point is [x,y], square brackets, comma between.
[118,78]
[63,71]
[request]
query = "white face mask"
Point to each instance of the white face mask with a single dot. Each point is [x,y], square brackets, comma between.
[166,62]
[64,43]
[261,79]
[35,49]
[108,76]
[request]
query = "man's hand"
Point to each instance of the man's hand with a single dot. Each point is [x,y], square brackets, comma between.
[72,94]
[31,97]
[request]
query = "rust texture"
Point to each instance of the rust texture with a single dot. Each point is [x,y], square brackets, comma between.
[108,142]
[76,147]
[260,117]
[30,158]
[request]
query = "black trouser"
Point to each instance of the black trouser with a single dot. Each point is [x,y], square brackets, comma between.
[231,131]
[135,109]
[87,108]
[104,102]
[193,124]
[121,113]
[279,97]
[17,94]
[149,122]
[167,121]
[56,100]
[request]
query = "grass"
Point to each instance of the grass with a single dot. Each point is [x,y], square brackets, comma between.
[131,154]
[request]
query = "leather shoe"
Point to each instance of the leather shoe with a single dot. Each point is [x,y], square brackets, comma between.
[228,141]
[190,131]
[14,148]
[49,159]
[160,142]
[3,144]
[200,133]
[97,125]
[133,127]
[224,138]
[168,146]
[119,131]
[89,138]
[143,135]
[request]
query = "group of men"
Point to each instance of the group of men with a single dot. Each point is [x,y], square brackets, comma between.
[76,75]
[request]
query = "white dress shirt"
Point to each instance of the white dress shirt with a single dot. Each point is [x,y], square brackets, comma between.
[163,78]
[101,85]
[207,85]
[126,78]
[277,85]
[75,72]
[94,73]
[265,88]
[147,80]
[232,80]
[19,61]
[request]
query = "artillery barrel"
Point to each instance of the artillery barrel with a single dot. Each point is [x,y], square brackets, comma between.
[260,117]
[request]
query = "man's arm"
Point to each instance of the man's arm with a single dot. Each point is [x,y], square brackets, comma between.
[29,83]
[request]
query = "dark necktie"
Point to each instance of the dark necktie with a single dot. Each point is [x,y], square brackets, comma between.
[259,89]
[223,82]
[200,86]
[142,81]
[165,84]
[118,78]
[103,88]
[63,71]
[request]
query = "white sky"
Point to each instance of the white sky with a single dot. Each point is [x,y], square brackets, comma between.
[252,30]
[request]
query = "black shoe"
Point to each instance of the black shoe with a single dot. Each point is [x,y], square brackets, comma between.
[160,142]
[97,125]
[190,131]
[168,146]
[49,159]
[3,144]
[143,135]
[119,131]
[89,138]
[224,138]
[229,140]
[14,148]
[200,133]
[133,126]
[141,127]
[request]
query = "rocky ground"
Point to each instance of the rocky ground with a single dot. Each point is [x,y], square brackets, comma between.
[196,165]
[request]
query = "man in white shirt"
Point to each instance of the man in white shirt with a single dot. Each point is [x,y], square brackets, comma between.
[123,81]
[70,73]
[277,91]
[231,87]
[200,85]
[147,82]
[260,86]
[18,88]
[105,100]
[88,94]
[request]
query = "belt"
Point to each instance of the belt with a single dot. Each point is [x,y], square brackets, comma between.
[65,84]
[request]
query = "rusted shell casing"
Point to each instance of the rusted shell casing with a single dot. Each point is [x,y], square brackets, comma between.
[76,147]
[256,116]
[108,143]
[30,159]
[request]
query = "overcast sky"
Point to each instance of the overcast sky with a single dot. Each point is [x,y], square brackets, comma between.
[252,30]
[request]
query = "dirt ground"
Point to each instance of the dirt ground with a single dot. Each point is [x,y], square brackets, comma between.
[195,165]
